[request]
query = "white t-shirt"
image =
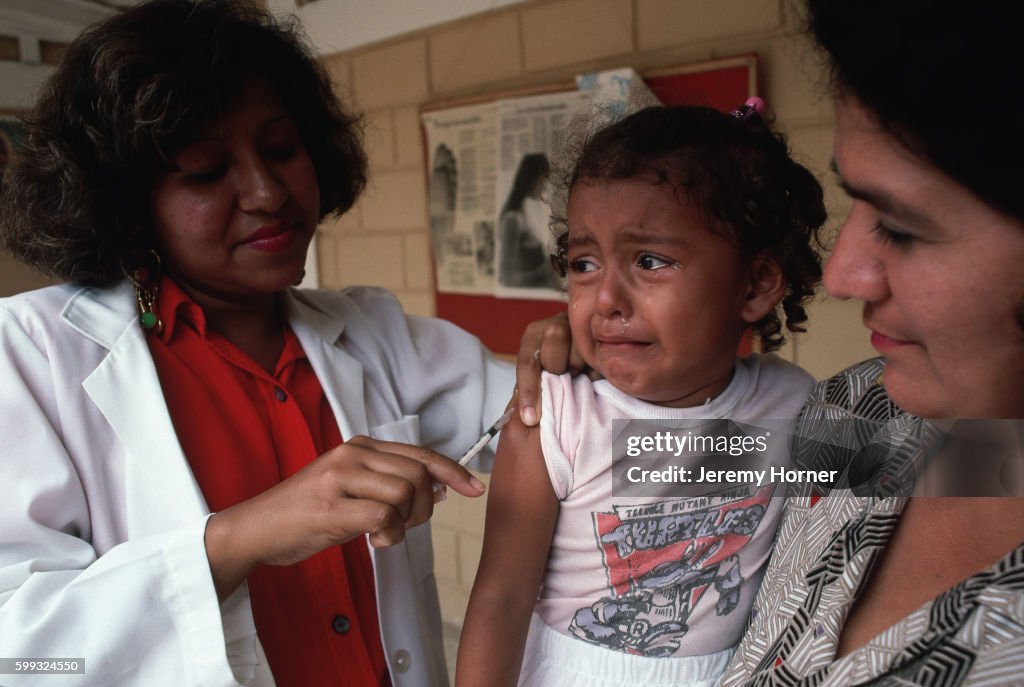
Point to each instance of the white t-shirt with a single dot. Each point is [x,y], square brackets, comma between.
[661,569]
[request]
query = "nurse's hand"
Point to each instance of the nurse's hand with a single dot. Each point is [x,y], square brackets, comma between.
[546,345]
[363,486]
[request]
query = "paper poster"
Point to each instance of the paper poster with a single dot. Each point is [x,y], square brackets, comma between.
[531,135]
[463,151]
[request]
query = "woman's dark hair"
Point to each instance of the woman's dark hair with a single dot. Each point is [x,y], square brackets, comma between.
[532,169]
[130,91]
[943,77]
[738,172]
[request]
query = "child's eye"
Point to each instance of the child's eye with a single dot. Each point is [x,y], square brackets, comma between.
[887,235]
[646,261]
[580,265]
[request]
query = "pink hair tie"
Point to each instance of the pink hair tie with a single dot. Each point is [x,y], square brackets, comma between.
[752,106]
[756,104]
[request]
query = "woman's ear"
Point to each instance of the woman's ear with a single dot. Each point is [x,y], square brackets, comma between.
[767,287]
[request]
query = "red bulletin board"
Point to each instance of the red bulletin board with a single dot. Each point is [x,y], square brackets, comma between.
[499,322]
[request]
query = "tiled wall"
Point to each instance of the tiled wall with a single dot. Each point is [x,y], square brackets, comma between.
[384,239]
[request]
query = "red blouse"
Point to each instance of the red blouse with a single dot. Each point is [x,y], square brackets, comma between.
[243,431]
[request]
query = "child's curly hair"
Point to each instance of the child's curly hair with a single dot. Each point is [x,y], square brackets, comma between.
[738,171]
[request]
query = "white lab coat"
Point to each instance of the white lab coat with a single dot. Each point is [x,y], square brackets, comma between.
[101,519]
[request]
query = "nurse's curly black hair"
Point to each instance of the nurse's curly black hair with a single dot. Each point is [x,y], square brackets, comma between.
[127,94]
[738,171]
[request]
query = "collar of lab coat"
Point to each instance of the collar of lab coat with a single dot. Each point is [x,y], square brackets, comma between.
[340,374]
[161,491]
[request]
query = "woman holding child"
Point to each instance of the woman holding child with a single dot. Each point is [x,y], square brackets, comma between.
[924,590]
[881,588]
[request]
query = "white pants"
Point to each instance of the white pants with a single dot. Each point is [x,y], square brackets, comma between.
[552,659]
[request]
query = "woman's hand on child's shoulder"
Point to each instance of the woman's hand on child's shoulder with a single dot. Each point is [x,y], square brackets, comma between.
[546,345]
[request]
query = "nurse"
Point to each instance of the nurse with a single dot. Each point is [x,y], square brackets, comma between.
[208,477]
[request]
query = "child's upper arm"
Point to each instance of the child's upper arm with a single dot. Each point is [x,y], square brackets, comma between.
[521,514]
[521,510]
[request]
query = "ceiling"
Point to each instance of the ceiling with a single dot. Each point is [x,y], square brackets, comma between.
[54,20]
[332,25]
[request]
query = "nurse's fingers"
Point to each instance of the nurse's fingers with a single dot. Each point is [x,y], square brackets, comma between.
[441,467]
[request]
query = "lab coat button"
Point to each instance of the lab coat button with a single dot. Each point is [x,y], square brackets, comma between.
[401,660]
[280,395]
[341,624]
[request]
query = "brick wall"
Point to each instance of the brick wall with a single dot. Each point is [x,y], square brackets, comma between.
[384,239]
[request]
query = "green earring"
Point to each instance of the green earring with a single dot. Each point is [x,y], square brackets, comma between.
[146,280]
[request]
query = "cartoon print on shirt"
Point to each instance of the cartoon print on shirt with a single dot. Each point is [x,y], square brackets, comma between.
[661,559]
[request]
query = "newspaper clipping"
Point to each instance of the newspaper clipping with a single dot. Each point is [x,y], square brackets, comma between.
[490,169]
[463,169]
